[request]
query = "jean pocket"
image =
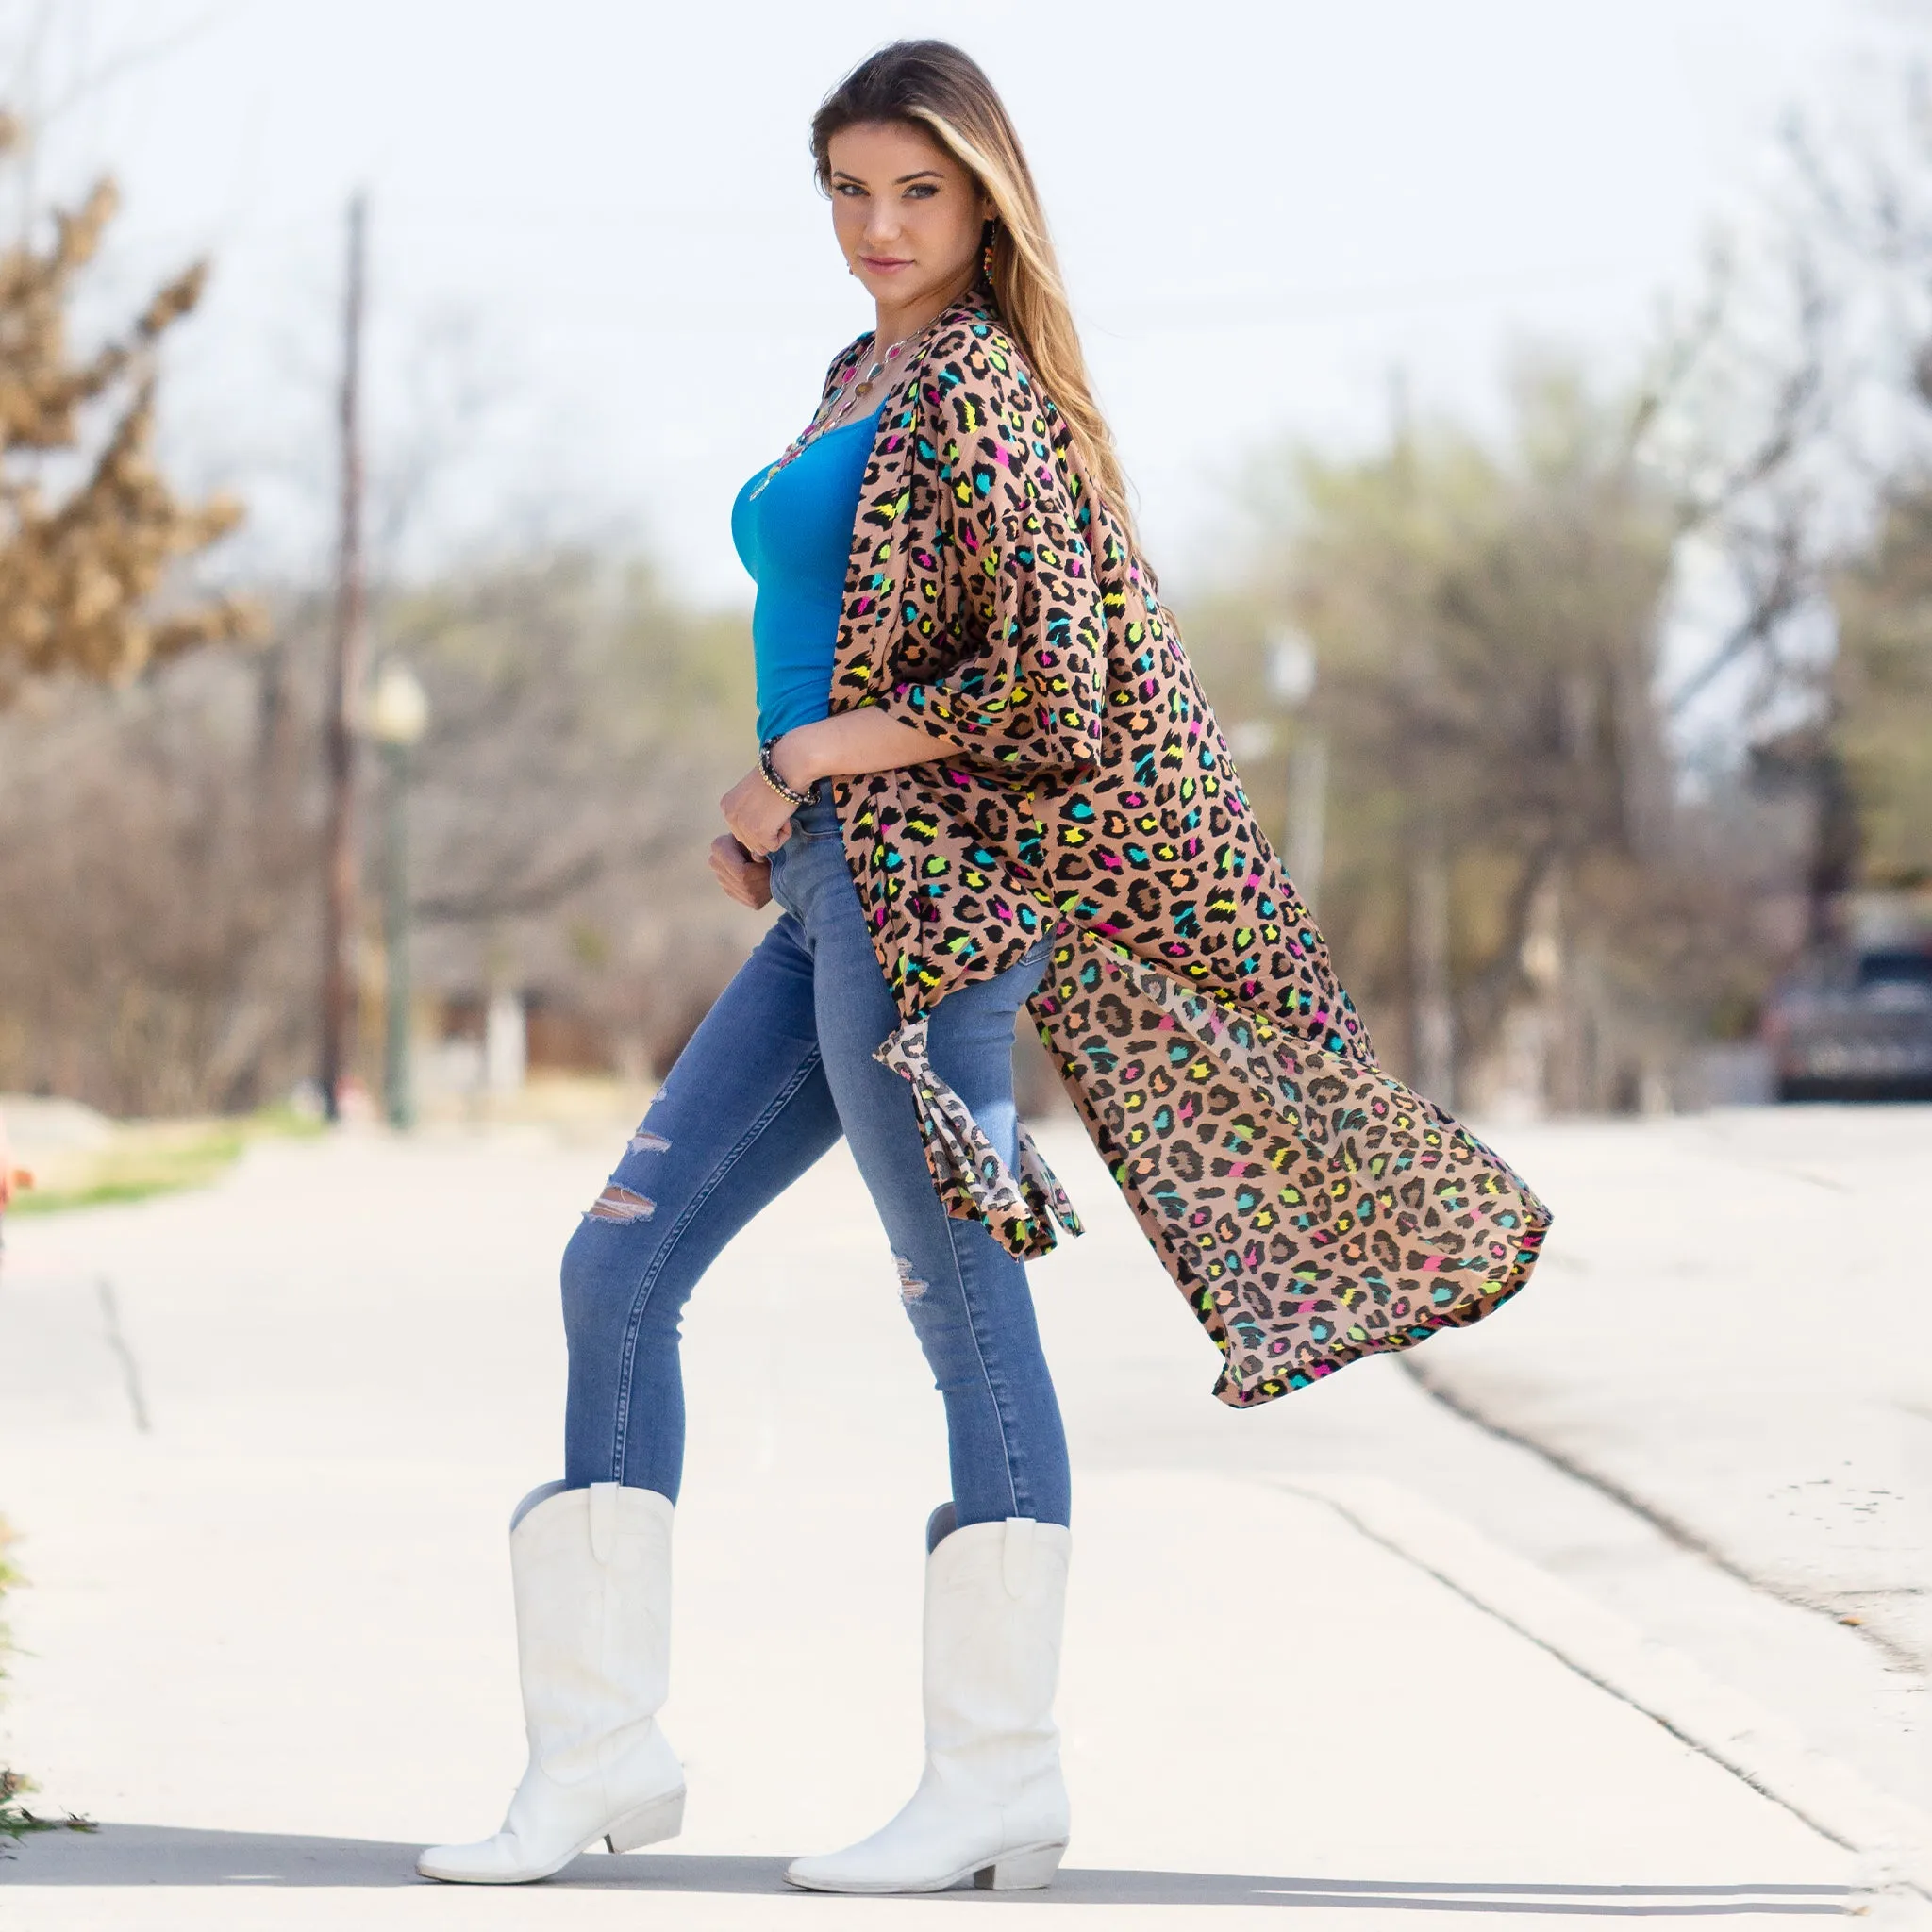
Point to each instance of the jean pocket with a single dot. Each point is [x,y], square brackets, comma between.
[813,830]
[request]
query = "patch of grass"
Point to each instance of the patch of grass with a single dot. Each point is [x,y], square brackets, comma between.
[149,1157]
[16,1821]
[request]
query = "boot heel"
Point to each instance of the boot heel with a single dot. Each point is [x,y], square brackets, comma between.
[649,1825]
[1023,1872]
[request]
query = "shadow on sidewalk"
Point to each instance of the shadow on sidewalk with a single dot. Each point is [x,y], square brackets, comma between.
[150,1855]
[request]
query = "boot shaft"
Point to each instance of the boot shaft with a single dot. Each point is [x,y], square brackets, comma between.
[995,1605]
[591,1570]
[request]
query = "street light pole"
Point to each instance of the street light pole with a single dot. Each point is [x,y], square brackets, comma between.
[398,1092]
[1308,823]
[1432,1050]
[398,715]
[1291,666]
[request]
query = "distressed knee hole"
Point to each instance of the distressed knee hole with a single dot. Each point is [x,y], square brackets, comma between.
[645,1141]
[910,1287]
[619,1202]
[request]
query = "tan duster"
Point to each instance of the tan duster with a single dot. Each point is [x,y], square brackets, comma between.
[1311,1208]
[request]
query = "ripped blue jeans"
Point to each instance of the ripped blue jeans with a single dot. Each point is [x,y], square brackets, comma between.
[780,1068]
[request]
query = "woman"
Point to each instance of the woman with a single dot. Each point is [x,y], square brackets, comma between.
[987,778]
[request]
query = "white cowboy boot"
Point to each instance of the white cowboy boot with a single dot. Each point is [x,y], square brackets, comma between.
[991,1805]
[591,1575]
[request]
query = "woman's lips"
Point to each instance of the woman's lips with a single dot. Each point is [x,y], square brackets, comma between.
[881,263]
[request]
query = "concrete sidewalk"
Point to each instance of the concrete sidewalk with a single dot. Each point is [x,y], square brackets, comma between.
[1750,1350]
[269,1644]
[1733,1330]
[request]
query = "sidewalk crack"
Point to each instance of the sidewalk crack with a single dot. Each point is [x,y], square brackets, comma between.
[118,1348]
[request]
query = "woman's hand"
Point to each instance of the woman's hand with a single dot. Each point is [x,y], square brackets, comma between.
[864,740]
[760,820]
[746,879]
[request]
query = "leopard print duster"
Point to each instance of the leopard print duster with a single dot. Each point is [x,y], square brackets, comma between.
[1311,1208]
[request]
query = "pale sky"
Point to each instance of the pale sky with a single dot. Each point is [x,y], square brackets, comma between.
[597,217]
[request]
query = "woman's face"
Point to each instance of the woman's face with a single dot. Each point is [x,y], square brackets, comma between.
[909,217]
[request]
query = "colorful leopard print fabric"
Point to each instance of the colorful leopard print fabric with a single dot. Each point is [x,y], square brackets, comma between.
[1311,1208]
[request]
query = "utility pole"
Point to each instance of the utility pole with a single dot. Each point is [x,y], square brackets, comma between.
[341,914]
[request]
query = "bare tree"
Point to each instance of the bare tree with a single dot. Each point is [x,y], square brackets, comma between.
[166,836]
[1506,834]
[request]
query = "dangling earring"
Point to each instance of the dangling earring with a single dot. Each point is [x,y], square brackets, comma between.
[992,235]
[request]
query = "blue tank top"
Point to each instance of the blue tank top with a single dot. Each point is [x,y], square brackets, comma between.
[794,533]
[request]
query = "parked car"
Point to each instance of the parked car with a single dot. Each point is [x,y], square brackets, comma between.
[1856,1025]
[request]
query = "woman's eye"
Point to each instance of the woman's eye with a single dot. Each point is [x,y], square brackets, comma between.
[922,190]
[850,189]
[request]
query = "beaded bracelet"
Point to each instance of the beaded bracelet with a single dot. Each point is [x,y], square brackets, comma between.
[769,773]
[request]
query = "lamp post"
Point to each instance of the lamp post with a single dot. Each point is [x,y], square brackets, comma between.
[1291,666]
[398,715]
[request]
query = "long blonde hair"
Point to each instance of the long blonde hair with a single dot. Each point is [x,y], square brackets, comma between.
[936,86]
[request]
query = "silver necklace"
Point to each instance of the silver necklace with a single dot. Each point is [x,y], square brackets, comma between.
[863,386]
[829,421]
[878,368]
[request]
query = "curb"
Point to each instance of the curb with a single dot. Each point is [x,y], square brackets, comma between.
[1768,1753]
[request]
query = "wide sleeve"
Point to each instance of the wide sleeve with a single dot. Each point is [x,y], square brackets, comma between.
[1026,693]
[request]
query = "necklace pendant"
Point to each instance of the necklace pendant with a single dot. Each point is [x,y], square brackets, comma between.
[864,386]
